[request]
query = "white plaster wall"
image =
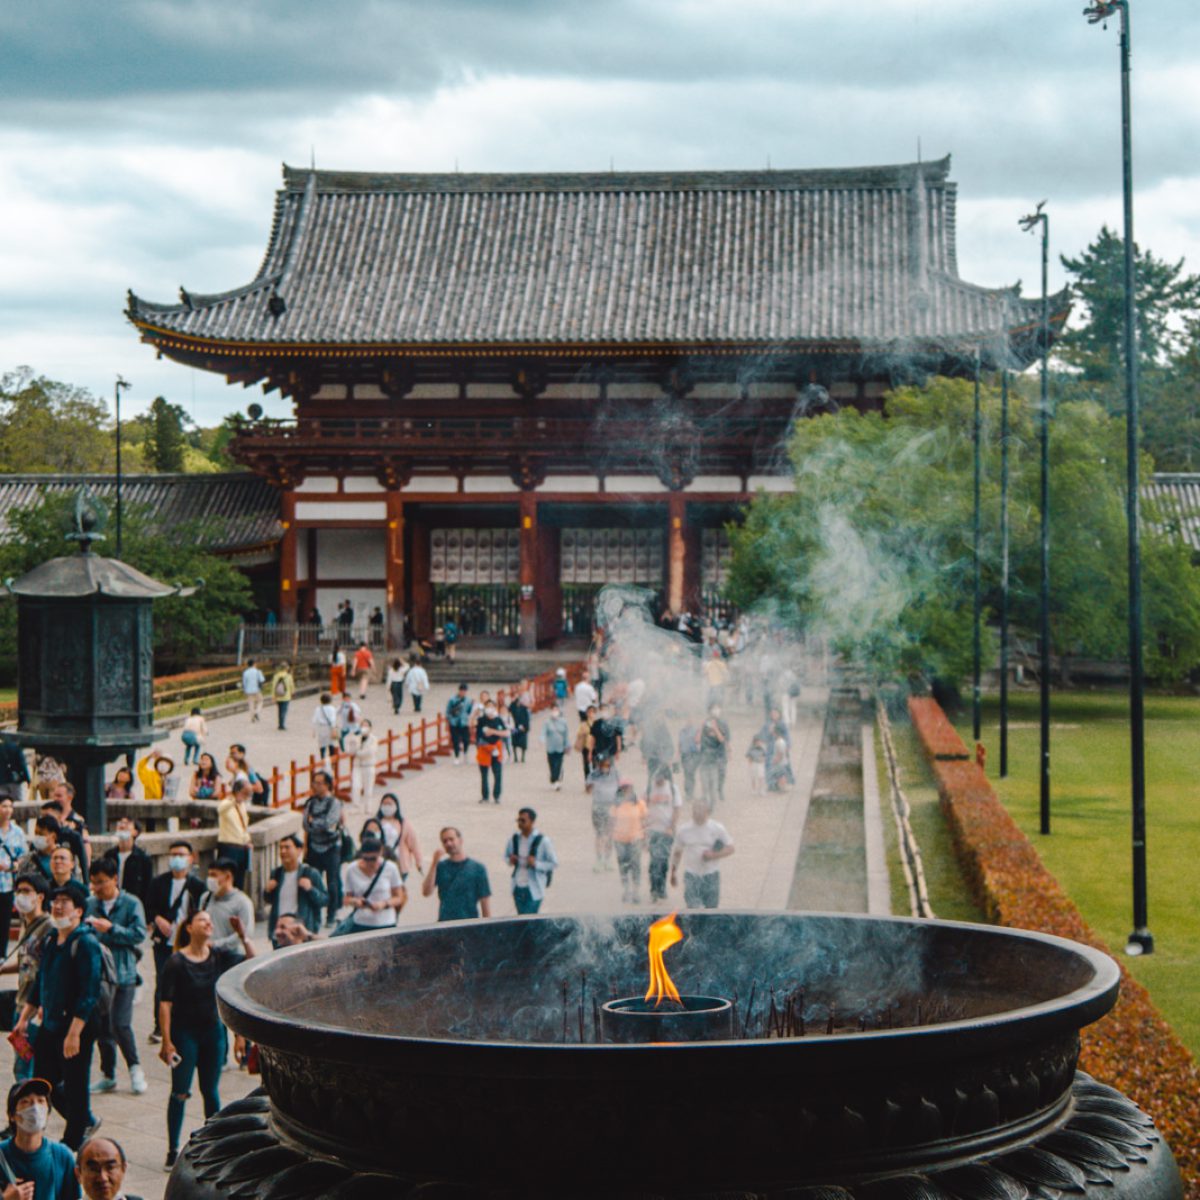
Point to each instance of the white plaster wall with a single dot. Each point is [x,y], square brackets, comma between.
[351,554]
[633,483]
[715,483]
[489,483]
[318,484]
[441,484]
[364,599]
[771,483]
[336,510]
[362,483]
[570,483]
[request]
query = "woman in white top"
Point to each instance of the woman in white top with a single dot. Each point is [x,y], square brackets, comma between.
[374,890]
[395,683]
[399,836]
[365,747]
[324,723]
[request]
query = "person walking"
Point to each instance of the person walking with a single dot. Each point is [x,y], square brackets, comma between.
[561,690]
[44,1169]
[586,696]
[364,746]
[464,892]
[490,733]
[337,669]
[68,997]
[364,664]
[193,735]
[12,849]
[323,825]
[556,737]
[30,898]
[602,785]
[458,717]
[530,854]
[395,683]
[349,719]
[699,846]
[399,836]
[714,756]
[294,887]
[233,828]
[193,1034]
[252,685]
[451,631]
[627,821]
[171,897]
[374,891]
[324,724]
[416,684]
[283,688]
[663,803]
[583,741]
[120,924]
[689,757]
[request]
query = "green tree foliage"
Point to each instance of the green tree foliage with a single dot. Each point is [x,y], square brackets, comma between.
[51,427]
[874,549]
[184,626]
[164,443]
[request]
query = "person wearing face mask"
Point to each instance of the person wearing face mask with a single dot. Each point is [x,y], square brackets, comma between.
[12,850]
[171,897]
[45,1169]
[68,997]
[231,909]
[134,868]
[399,836]
[556,737]
[120,924]
[490,733]
[42,844]
[364,746]
[29,899]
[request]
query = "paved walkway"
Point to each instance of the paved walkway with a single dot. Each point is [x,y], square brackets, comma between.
[766,830]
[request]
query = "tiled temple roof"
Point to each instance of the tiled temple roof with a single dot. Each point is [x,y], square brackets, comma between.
[1175,505]
[237,511]
[860,257]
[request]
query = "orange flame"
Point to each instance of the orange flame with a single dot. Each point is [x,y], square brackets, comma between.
[664,934]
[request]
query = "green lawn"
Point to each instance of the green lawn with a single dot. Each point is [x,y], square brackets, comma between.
[1088,849]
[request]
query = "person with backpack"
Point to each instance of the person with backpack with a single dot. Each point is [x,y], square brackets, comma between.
[69,998]
[283,688]
[531,855]
[458,717]
[120,923]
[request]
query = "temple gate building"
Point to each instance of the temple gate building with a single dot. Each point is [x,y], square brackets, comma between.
[509,390]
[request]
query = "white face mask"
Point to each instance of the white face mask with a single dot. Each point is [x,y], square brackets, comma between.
[61,923]
[33,1118]
[178,862]
[24,902]
[489,711]
[212,883]
[39,841]
[388,810]
[125,835]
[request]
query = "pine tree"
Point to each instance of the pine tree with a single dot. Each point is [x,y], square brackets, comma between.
[164,444]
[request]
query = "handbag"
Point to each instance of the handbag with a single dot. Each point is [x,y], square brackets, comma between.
[347,924]
[347,846]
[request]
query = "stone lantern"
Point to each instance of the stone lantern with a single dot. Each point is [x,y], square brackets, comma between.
[85,659]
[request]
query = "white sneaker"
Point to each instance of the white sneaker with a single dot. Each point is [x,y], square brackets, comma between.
[137,1080]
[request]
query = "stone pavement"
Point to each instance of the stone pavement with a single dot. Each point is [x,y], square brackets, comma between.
[766,831]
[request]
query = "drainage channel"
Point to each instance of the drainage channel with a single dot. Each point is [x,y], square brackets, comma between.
[831,868]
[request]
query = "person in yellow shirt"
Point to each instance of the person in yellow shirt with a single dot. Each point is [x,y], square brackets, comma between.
[628,825]
[233,828]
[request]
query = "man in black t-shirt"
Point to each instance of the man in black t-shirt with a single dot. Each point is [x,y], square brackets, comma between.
[462,883]
[606,734]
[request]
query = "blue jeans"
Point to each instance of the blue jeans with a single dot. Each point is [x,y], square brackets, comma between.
[523,898]
[281,711]
[202,1051]
[191,747]
[23,1067]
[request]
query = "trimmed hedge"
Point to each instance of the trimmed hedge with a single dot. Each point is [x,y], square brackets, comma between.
[1132,1048]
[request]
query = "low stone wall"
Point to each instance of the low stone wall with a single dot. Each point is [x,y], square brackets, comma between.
[1133,1049]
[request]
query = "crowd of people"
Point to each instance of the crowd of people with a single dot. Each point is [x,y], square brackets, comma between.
[653,767]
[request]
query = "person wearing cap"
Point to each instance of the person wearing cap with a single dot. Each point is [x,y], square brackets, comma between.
[323,824]
[29,898]
[67,997]
[45,1169]
[120,923]
[100,1168]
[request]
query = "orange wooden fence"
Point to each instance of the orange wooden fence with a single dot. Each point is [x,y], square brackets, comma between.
[409,749]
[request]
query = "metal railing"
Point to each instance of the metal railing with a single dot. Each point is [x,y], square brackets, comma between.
[302,641]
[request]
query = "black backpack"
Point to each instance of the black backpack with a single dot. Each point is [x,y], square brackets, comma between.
[533,849]
[108,976]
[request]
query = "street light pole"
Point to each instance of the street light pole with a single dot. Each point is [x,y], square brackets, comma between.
[976,697]
[1003,574]
[1029,223]
[118,388]
[1141,940]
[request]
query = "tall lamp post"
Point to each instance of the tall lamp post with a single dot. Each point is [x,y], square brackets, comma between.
[1029,223]
[1141,941]
[1004,574]
[118,388]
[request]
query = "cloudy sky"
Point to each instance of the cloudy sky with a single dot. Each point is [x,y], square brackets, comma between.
[141,140]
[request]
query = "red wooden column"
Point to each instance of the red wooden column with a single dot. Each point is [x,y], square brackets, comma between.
[394,613]
[288,600]
[676,550]
[422,589]
[529,569]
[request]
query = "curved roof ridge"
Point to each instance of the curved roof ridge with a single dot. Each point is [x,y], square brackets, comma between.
[895,175]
